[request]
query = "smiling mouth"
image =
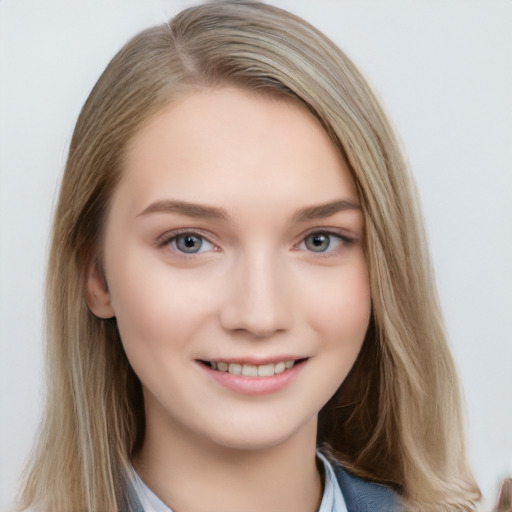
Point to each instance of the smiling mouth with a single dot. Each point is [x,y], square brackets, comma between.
[251,370]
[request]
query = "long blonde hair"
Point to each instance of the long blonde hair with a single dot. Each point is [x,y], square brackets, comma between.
[397,417]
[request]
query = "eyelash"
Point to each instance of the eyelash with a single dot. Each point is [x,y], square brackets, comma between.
[343,238]
[168,238]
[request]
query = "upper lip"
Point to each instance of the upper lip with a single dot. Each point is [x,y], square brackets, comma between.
[256,361]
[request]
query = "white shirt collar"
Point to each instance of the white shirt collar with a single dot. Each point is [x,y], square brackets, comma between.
[332,499]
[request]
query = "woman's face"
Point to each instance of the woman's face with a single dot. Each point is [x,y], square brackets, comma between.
[233,248]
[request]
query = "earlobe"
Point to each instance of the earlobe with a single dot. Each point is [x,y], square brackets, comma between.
[97,294]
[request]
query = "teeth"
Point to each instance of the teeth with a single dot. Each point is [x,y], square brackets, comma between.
[251,370]
[266,370]
[279,367]
[235,368]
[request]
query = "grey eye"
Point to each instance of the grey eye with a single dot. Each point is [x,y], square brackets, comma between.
[189,243]
[317,242]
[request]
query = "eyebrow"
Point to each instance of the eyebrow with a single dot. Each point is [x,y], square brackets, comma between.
[322,211]
[188,209]
[202,211]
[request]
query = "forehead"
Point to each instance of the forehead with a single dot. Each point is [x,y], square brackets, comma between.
[214,143]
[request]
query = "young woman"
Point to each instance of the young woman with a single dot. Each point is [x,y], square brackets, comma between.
[241,313]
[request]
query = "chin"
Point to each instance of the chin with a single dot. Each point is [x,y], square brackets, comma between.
[258,437]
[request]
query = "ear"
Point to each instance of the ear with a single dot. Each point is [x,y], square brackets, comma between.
[97,295]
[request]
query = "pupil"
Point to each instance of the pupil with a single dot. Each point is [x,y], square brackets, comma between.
[189,243]
[318,243]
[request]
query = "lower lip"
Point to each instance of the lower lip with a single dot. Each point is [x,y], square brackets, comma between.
[254,385]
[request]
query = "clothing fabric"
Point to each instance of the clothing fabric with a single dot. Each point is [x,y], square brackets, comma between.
[149,501]
[363,496]
[343,492]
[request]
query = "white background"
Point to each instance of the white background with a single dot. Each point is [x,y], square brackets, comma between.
[443,70]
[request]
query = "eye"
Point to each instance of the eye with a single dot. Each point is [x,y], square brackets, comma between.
[190,243]
[324,241]
[317,242]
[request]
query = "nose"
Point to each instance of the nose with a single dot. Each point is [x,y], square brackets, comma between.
[258,297]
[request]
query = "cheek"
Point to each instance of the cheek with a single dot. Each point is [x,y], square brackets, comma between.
[341,317]
[157,310]
[342,307]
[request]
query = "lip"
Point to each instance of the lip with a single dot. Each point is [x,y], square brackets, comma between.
[257,361]
[254,385]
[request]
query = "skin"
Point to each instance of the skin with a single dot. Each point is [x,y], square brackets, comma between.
[257,289]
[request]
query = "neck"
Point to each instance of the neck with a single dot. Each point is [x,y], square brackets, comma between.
[192,475]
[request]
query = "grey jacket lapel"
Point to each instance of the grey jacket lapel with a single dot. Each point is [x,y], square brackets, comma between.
[363,496]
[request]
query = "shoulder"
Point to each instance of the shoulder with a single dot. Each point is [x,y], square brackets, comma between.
[363,496]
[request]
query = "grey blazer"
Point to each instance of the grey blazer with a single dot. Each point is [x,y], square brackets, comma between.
[359,495]
[363,496]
